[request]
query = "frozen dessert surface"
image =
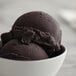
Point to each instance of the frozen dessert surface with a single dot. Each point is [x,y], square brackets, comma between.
[40,20]
[34,36]
[17,51]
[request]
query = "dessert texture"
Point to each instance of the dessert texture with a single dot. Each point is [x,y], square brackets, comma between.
[33,36]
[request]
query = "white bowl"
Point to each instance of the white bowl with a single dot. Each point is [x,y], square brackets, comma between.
[46,67]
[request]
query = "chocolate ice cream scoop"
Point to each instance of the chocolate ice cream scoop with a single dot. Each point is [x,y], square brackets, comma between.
[40,20]
[17,51]
[34,36]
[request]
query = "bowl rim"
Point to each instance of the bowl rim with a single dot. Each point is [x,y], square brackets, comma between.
[52,58]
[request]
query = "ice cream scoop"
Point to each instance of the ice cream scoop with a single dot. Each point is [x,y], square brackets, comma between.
[37,36]
[17,51]
[42,21]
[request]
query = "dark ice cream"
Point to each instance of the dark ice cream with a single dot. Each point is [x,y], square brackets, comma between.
[34,36]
